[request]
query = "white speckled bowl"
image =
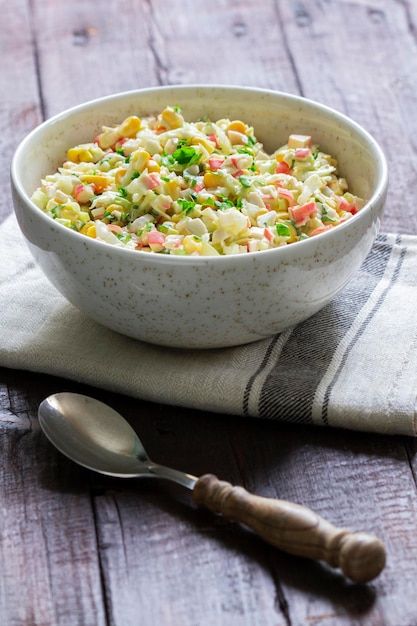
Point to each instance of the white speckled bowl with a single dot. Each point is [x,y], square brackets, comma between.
[202,302]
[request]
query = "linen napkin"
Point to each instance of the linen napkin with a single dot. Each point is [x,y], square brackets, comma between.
[352,365]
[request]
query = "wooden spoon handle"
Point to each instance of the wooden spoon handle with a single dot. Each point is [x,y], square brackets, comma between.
[294,528]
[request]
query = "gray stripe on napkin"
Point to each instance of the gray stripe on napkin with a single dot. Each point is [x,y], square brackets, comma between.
[264,363]
[365,323]
[290,386]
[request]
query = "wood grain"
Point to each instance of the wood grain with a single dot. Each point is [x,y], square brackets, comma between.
[79,549]
[48,539]
[294,528]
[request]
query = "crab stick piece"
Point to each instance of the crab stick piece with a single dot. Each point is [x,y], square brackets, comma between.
[300,214]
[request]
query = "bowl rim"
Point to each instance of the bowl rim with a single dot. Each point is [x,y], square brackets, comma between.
[378,194]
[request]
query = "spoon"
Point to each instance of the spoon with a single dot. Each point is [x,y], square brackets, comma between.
[95,436]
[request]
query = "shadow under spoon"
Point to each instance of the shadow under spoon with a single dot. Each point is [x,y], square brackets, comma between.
[95,436]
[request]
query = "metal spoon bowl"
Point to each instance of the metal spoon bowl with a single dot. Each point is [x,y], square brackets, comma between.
[95,436]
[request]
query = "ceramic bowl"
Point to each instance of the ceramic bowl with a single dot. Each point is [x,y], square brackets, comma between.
[202,302]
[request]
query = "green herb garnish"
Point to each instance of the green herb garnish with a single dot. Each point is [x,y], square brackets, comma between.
[245,181]
[186,205]
[186,155]
[223,204]
[283,230]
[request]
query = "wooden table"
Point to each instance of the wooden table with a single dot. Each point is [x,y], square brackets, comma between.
[80,549]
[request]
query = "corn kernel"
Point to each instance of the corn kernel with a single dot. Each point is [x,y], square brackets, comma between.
[212,180]
[238,126]
[108,137]
[114,208]
[89,229]
[153,166]
[173,189]
[130,126]
[280,155]
[192,245]
[119,175]
[139,159]
[201,141]
[172,118]
[100,182]
[80,154]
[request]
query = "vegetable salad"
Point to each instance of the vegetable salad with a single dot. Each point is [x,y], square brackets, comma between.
[164,185]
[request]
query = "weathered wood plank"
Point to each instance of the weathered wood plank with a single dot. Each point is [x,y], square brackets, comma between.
[139,519]
[360,58]
[50,572]
[133,45]
[47,530]
[177,570]
[355,480]
[20,108]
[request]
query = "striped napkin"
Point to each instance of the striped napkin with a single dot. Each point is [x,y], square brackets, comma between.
[352,365]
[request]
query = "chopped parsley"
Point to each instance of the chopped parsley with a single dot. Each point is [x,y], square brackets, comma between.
[223,204]
[124,237]
[245,182]
[186,155]
[186,205]
[245,150]
[283,230]
[167,160]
